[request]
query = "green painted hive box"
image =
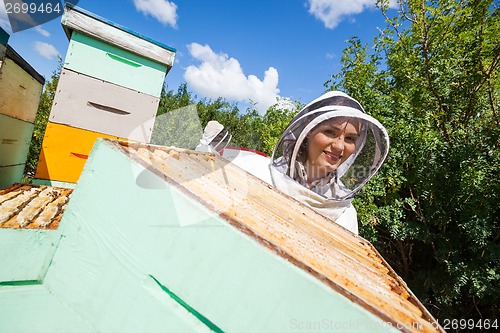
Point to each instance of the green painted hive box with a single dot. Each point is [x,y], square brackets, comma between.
[158,239]
[15,138]
[107,51]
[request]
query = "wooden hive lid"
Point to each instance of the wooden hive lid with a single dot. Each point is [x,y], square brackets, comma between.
[345,262]
[77,19]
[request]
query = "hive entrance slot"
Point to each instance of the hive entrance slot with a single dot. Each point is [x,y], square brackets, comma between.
[108,108]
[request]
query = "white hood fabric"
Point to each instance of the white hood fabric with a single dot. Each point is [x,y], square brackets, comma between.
[372,146]
[332,196]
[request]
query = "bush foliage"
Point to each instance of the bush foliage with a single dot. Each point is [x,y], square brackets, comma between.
[432,77]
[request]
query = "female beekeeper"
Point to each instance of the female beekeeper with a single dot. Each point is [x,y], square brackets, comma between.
[328,152]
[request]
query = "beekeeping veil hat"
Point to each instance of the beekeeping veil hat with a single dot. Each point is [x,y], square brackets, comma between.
[372,146]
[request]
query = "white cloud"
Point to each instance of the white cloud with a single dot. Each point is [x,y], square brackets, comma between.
[221,76]
[331,12]
[42,32]
[46,50]
[163,10]
[22,19]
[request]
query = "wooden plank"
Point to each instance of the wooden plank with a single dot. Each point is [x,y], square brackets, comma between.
[19,92]
[15,139]
[107,62]
[344,261]
[87,103]
[65,150]
[77,19]
[11,174]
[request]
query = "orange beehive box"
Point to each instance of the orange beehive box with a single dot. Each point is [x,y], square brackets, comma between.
[64,152]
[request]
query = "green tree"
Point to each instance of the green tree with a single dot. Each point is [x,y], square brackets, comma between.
[177,125]
[432,78]
[41,120]
[177,122]
[272,126]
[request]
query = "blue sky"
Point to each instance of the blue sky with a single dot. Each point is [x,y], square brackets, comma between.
[241,50]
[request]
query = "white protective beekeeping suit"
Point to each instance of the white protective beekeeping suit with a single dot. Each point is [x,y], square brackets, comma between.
[332,196]
[215,138]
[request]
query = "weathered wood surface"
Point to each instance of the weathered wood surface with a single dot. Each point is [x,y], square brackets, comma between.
[19,92]
[345,262]
[31,206]
[77,19]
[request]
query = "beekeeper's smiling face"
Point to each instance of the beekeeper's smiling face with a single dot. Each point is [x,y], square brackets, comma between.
[329,145]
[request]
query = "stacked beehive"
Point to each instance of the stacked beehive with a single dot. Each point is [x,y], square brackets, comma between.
[20,91]
[158,239]
[109,87]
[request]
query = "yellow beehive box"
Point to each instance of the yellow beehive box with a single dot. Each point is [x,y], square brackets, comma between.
[65,150]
